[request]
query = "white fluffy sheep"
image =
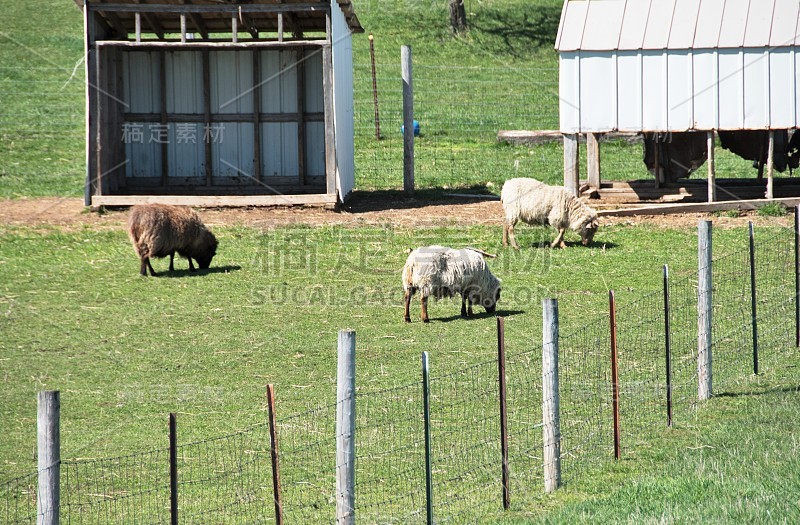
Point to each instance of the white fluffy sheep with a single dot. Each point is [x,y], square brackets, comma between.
[439,271]
[534,202]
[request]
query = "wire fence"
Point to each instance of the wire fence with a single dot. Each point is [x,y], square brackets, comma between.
[230,478]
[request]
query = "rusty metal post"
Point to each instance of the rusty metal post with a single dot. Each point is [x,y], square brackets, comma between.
[273,439]
[501,366]
[612,306]
[668,345]
[173,469]
[374,87]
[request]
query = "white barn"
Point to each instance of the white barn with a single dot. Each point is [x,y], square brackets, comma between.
[675,66]
[212,103]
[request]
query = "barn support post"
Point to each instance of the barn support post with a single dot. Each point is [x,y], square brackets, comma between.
[273,440]
[330,130]
[612,310]
[346,428]
[48,453]
[551,429]
[704,310]
[408,120]
[571,163]
[593,159]
[712,167]
[501,369]
[771,166]
[426,416]
[90,35]
[656,160]
[753,314]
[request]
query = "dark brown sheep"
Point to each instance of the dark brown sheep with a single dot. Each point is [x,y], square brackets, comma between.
[158,230]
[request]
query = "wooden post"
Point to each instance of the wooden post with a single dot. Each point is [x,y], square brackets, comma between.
[280,27]
[346,429]
[173,469]
[426,416]
[571,163]
[612,308]
[753,311]
[551,432]
[138,25]
[771,166]
[374,87]
[712,167]
[273,439]
[48,447]
[183,28]
[704,310]
[593,159]
[408,120]
[330,131]
[657,160]
[234,29]
[501,369]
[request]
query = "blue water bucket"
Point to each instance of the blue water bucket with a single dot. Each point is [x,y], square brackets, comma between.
[416,128]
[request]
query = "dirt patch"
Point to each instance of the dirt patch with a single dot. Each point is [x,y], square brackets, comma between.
[70,214]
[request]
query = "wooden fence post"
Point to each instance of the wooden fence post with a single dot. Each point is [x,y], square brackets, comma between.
[408,121]
[346,429]
[705,306]
[551,432]
[48,441]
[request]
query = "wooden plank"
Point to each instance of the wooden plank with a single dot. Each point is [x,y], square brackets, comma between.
[162,57]
[330,137]
[534,137]
[207,114]
[197,21]
[90,35]
[771,166]
[571,163]
[227,45]
[183,28]
[697,207]
[212,8]
[712,167]
[593,159]
[234,28]
[256,112]
[301,121]
[226,117]
[214,200]
[280,27]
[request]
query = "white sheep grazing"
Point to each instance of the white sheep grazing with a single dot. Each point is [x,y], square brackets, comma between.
[439,271]
[534,202]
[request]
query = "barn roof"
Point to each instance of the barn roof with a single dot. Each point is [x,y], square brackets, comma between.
[214,16]
[605,25]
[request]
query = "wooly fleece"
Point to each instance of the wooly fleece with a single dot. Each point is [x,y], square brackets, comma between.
[536,203]
[158,230]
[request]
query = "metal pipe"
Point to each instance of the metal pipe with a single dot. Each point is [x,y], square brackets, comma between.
[612,306]
[501,368]
[427,418]
[668,345]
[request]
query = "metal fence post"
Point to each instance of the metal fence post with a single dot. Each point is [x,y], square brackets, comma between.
[346,429]
[501,369]
[374,87]
[273,439]
[426,413]
[408,120]
[668,345]
[704,311]
[551,433]
[173,469]
[612,308]
[754,317]
[48,445]
[797,275]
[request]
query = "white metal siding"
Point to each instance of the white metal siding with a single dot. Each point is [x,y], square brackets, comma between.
[706,104]
[709,23]
[781,83]
[569,95]
[186,151]
[231,78]
[654,90]
[315,149]
[184,71]
[734,23]
[731,86]
[601,93]
[679,90]
[784,23]
[144,158]
[232,152]
[314,100]
[278,81]
[759,23]
[142,78]
[629,80]
[343,100]
[631,35]
[684,24]
[756,88]
[659,21]
[279,150]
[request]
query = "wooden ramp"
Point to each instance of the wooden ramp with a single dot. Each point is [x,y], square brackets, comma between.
[687,191]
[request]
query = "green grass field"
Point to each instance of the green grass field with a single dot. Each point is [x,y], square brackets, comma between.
[125,351]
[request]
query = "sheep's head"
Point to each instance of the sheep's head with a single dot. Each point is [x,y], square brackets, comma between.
[588,230]
[204,258]
[488,301]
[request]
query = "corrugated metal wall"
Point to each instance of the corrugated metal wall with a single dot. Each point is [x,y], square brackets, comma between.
[232,88]
[343,100]
[679,90]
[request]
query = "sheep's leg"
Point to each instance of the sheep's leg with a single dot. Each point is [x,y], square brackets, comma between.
[505,233]
[191,266]
[171,259]
[558,242]
[464,306]
[407,316]
[143,267]
[511,236]
[469,308]
[424,300]
[146,261]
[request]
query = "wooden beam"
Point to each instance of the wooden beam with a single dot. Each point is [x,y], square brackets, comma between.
[294,26]
[712,167]
[183,28]
[280,27]
[151,21]
[571,163]
[197,21]
[593,159]
[531,138]
[249,25]
[215,200]
[138,25]
[697,207]
[256,93]
[152,44]
[330,133]
[234,29]
[231,9]
[771,166]
[89,38]
[116,24]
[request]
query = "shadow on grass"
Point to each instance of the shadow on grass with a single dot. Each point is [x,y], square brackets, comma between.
[484,315]
[518,32]
[379,200]
[576,244]
[779,390]
[198,273]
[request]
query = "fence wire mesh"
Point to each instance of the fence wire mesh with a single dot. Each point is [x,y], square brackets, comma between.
[19,500]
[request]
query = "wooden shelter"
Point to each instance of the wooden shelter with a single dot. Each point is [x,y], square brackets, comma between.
[209,102]
[674,66]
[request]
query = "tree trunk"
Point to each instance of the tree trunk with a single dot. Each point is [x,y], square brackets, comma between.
[458,16]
